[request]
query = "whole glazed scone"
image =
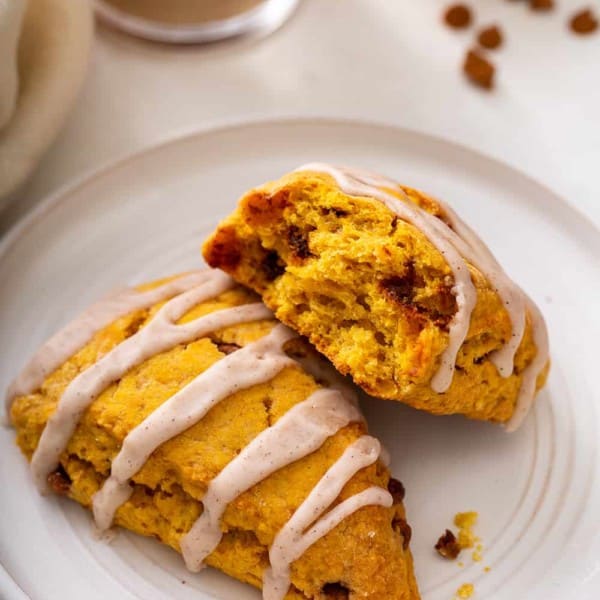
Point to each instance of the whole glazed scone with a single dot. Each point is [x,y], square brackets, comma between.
[392,287]
[183,411]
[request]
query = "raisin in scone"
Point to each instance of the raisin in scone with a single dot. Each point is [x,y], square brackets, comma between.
[183,411]
[392,287]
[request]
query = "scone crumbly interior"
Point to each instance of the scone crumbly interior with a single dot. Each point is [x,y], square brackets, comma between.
[370,291]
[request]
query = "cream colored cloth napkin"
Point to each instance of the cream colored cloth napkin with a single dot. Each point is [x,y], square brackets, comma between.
[53,53]
[11,19]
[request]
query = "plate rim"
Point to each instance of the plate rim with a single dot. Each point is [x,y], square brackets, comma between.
[8,585]
[53,199]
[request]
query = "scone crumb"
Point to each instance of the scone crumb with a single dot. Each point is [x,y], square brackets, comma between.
[466,590]
[447,546]
[465,522]
[450,545]
[487,569]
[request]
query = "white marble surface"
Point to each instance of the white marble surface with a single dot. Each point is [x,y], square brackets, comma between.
[383,60]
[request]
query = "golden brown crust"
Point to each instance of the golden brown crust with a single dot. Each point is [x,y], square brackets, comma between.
[365,554]
[370,291]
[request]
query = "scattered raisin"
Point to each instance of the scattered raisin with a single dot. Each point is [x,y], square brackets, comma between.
[584,22]
[59,481]
[298,242]
[401,288]
[396,489]
[541,5]
[479,70]
[401,526]
[226,348]
[447,546]
[458,16]
[490,37]
[337,591]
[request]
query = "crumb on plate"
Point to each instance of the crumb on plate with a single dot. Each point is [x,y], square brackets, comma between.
[447,545]
[465,522]
[466,590]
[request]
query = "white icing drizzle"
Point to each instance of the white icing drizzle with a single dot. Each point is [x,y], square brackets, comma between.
[466,245]
[255,363]
[300,431]
[74,336]
[161,334]
[360,184]
[385,456]
[306,527]
[533,370]
[472,247]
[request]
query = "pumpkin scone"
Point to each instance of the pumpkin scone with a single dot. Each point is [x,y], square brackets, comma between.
[392,287]
[183,411]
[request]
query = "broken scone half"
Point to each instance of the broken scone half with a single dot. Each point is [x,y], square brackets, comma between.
[183,411]
[393,287]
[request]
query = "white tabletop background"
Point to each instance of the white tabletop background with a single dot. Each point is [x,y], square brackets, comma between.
[382,60]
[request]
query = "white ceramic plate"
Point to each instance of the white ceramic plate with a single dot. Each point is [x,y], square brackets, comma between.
[537,491]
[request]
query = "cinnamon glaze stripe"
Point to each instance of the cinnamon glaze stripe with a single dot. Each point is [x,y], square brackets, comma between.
[300,431]
[307,524]
[74,336]
[255,363]
[159,335]
[359,183]
[458,243]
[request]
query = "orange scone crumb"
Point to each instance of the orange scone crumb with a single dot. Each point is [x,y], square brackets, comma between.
[465,522]
[466,590]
